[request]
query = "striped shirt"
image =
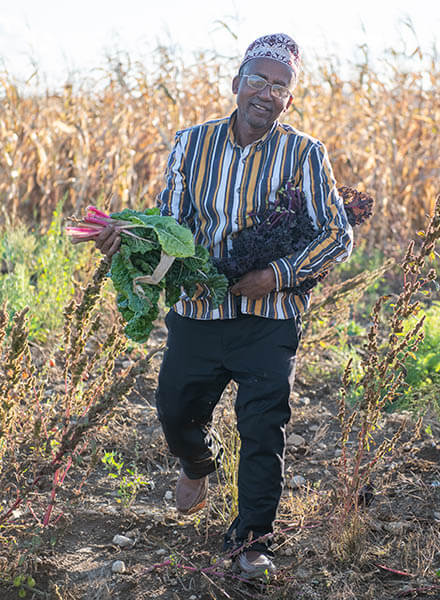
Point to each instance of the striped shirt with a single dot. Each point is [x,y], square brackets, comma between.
[215,186]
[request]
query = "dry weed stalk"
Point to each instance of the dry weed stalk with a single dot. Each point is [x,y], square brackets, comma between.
[332,305]
[229,442]
[41,434]
[383,379]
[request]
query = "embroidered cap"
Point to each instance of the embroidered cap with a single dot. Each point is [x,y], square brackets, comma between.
[277,46]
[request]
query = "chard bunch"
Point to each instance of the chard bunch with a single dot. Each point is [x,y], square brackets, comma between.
[156,254]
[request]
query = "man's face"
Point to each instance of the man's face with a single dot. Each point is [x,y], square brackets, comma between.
[258,109]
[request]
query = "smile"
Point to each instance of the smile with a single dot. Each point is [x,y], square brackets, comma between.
[260,108]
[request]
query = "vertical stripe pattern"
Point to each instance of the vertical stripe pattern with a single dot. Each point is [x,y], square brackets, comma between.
[213,185]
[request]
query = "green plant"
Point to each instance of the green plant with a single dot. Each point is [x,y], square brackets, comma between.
[421,385]
[156,254]
[423,365]
[24,583]
[129,480]
[38,274]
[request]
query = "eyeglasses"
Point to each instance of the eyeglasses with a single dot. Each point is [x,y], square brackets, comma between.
[259,83]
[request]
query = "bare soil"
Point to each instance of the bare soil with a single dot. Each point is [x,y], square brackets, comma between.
[392,551]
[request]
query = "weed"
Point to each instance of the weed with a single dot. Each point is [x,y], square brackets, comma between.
[383,377]
[331,308]
[423,365]
[38,273]
[128,479]
[23,583]
[227,476]
[42,434]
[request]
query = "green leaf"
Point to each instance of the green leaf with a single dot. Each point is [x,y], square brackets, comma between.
[128,212]
[144,245]
[175,239]
[192,270]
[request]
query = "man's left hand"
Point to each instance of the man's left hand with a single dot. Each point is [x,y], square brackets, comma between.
[255,284]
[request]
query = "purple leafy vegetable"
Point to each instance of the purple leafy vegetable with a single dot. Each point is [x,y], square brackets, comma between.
[284,228]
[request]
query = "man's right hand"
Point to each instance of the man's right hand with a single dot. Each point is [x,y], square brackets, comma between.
[108,241]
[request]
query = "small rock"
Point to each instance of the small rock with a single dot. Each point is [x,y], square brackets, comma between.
[338,452]
[305,400]
[288,552]
[193,597]
[161,551]
[126,363]
[296,482]
[118,566]
[122,541]
[397,527]
[295,440]
[168,495]
[314,427]
[437,516]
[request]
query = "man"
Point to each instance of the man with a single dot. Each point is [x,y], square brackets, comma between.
[219,174]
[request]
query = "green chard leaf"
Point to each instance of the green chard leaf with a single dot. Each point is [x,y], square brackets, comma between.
[138,302]
[174,239]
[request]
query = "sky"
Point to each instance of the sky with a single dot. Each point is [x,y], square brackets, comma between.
[67,36]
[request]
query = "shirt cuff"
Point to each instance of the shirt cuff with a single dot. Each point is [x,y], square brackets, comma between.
[284,274]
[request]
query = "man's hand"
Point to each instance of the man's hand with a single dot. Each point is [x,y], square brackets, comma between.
[108,241]
[255,284]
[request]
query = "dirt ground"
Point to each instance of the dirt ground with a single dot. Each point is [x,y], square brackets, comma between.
[392,552]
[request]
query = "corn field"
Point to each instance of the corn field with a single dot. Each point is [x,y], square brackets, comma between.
[108,142]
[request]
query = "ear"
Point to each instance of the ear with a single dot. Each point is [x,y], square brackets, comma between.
[235,84]
[289,102]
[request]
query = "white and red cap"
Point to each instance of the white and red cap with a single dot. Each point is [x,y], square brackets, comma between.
[277,46]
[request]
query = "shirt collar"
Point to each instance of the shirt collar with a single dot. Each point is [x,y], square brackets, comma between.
[258,143]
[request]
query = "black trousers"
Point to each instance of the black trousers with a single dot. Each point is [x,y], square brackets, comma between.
[200,360]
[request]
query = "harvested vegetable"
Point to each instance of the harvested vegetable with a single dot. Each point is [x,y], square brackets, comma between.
[156,254]
[284,228]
